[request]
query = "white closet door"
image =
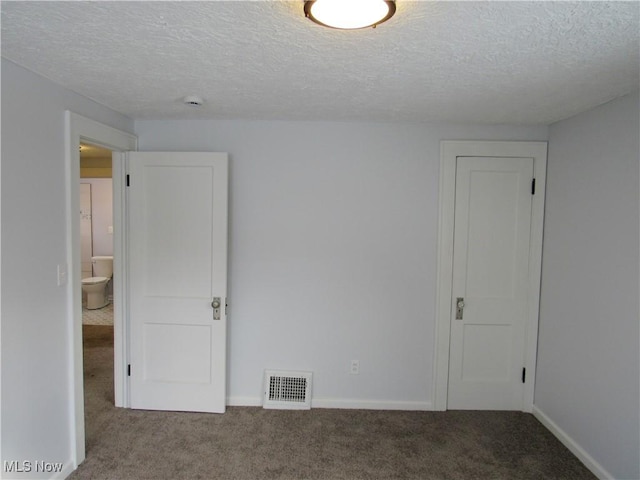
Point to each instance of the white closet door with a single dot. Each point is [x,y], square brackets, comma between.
[490,279]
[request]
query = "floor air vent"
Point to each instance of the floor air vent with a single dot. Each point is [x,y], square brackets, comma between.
[287,390]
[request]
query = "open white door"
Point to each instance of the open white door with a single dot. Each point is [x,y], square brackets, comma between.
[177,206]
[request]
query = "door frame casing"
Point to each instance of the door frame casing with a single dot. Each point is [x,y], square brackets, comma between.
[77,129]
[449,153]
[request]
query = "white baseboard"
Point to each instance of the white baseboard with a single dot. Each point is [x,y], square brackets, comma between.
[370,404]
[244,401]
[597,469]
[341,403]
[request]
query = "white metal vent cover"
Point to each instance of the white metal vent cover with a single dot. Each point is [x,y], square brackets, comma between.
[287,390]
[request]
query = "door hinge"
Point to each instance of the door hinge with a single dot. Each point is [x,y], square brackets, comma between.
[127,179]
[533,186]
[129,370]
[524,374]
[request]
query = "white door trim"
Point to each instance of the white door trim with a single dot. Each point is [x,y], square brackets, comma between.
[79,128]
[449,153]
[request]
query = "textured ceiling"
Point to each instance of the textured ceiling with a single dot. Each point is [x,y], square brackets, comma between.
[481,62]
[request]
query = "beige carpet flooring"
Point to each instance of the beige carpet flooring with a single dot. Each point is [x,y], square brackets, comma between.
[252,443]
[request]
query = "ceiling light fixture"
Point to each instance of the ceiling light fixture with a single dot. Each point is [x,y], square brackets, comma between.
[349,14]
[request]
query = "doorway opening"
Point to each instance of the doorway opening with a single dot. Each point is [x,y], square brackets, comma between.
[96,260]
[81,130]
[96,234]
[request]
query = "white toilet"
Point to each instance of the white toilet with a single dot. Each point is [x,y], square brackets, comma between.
[95,287]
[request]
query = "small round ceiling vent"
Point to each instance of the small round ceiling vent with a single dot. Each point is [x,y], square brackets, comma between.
[193,100]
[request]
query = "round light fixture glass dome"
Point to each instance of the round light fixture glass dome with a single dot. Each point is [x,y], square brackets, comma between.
[349,14]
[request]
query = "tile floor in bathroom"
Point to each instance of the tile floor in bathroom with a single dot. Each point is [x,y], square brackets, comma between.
[99,316]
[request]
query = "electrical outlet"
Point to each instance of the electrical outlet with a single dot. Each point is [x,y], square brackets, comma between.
[355,367]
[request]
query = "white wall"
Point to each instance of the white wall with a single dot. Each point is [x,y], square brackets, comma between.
[588,360]
[101,214]
[36,350]
[332,250]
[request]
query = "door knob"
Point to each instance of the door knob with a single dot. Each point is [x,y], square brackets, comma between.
[459,307]
[215,304]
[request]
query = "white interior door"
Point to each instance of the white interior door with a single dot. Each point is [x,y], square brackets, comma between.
[177,266]
[490,278]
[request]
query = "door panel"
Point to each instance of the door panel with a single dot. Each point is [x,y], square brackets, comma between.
[178,264]
[177,353]
[490,272]
[179,231]
[491,245]
[486,352]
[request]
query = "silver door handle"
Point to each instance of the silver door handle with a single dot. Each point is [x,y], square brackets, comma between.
[215,304]
[459,308]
